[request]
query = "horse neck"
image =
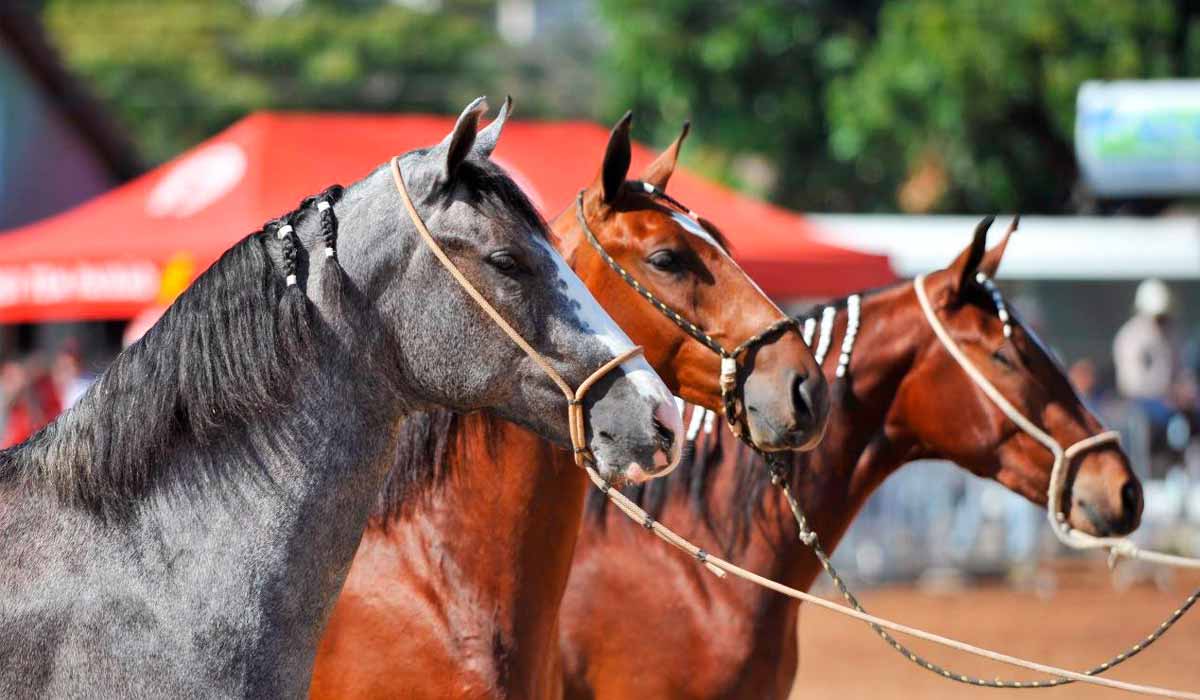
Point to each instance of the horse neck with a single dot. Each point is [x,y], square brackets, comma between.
[495,537]
[866,440]
[297,511]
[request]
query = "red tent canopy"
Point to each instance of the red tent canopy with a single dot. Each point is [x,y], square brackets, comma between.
[141,243]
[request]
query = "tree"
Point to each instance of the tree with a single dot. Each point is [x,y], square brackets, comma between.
[966,105]
[750,76]
[177,71]
[950,105]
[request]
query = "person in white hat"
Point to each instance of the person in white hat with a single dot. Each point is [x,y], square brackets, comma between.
[1146,352]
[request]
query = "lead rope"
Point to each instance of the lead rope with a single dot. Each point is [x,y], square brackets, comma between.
[721,567]
[809,538]
[575,413]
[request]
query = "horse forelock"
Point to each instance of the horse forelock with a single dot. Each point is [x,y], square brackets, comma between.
[634,199]
[487,185]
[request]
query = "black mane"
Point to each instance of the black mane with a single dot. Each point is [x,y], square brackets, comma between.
[429,445]
[215,360]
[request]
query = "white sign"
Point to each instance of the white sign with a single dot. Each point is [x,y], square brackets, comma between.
[1139,137]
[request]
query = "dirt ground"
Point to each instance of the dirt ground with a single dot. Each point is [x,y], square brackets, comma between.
[1079,616]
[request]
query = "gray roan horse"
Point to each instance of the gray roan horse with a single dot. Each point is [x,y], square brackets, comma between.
[183,531]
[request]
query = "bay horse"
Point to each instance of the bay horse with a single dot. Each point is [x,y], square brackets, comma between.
[183,530]
[455,591]
[898,396]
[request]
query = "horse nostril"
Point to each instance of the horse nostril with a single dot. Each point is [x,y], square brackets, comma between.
[1131,499]
[801,401]
[664,436]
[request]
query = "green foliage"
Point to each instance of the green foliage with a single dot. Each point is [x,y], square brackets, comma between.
[749,75]
[870,105]
[979,97]
[957,105]
[177,71]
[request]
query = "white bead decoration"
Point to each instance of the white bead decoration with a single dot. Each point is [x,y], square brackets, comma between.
[827,316]
[810,325]
[998,301]
[853,311]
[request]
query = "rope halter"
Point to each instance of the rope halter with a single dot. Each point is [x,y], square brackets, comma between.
[1063,457]
[729,379]
[575,412]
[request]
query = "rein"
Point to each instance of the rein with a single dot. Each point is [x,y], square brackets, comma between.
[575,413]
[730,379]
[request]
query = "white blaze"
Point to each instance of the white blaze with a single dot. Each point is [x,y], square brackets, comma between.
[593,319]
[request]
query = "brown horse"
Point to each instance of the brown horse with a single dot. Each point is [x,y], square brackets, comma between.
[899,397]
[456,586]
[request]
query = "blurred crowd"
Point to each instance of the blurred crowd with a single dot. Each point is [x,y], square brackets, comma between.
[1149,388]
[36,388]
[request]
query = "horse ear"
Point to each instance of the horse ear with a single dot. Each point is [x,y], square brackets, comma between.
[616,160]
[964,267]
[485,140]
[991,259]
[457,145]
[659,172]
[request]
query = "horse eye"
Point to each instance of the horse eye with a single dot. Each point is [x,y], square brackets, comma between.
[1000,358]
[503,261]
[664,260]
